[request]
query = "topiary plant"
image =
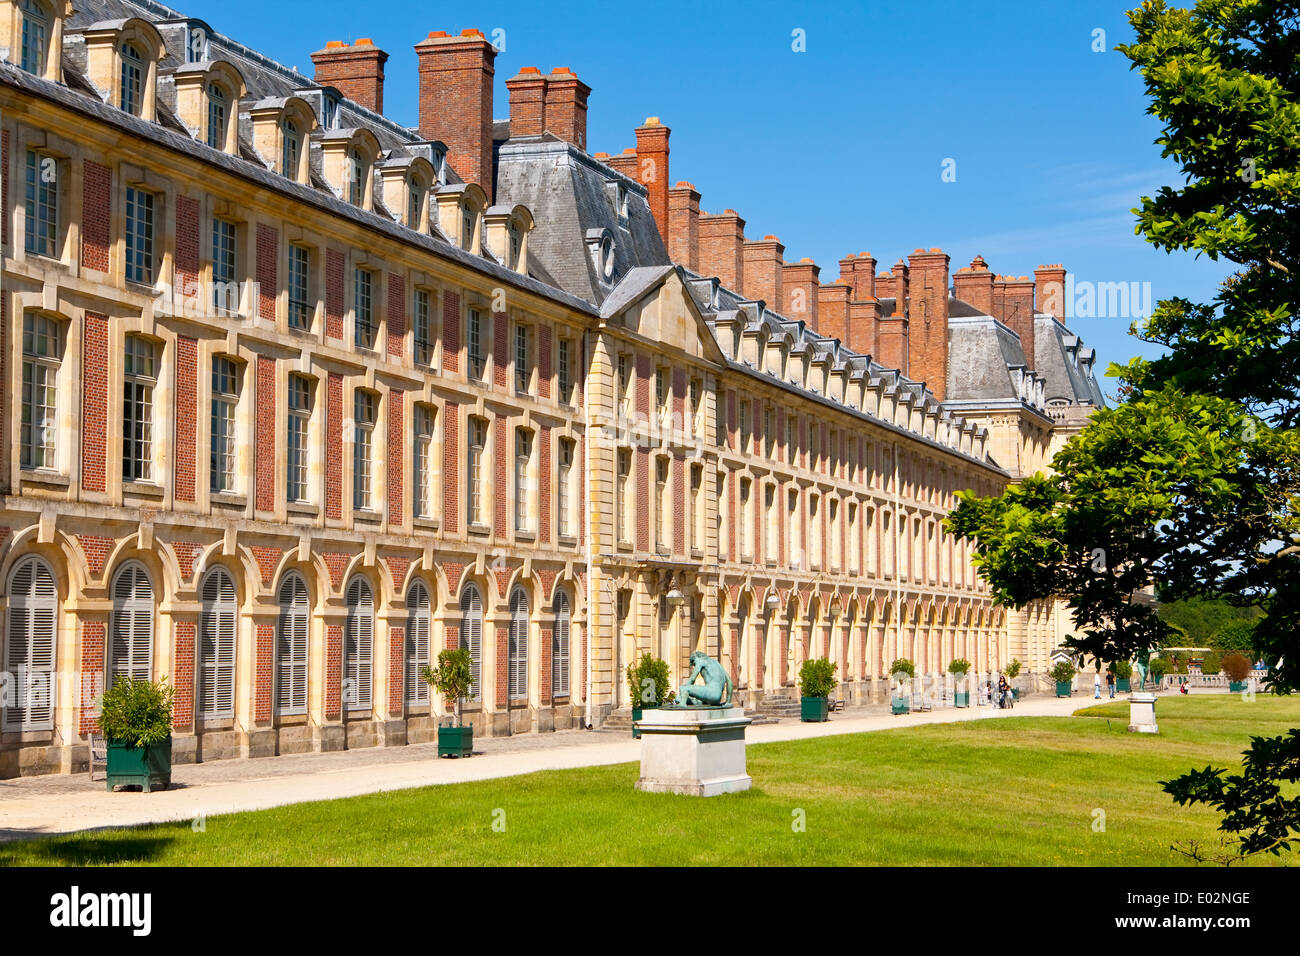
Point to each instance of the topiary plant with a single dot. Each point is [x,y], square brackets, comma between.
[648,682]
[960,667]
[137,713]
[817,677]
[453,677]
[1236,667]
[1062,672]
[1013,669]
[902,666]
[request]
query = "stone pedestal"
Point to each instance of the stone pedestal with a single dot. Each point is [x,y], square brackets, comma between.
[1142,714]
[695,751]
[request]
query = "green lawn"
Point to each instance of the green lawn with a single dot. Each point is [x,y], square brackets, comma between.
[1013,791]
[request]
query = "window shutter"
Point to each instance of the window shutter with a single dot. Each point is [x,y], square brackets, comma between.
[560,647]
[132,625]
[217,647]
[30,645]
[518,674]
[417,643]
[471,636]
[291,692]
[359,644]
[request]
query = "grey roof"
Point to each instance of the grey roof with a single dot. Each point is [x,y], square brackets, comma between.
[981,354]
[1060,358]
[636,283]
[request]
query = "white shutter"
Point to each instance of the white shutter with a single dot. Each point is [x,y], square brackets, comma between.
[30,646]
[291,647]
[560,647]
[359,644]
[471,636]
[417,643]
[518,671]
[217,646]
[131,641]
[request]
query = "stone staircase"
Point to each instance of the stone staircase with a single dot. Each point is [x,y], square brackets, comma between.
[776,707]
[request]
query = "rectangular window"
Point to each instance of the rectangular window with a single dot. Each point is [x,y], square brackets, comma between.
[695,394]
[42,353]
[477,363]
[363,309]
[789,439]
[624,473]
[423,460]
[364,415]
[833,526]
[769,524]
[42,205]
[216,117]
[225,396]
[661,391]
[35,31]
[746,524]
[793,548]
[565,379]
[298,420]
[301,308]
[467,222]
[624,381]
[523,463]
[523,372]
[139,236]
[141,376]
[814,534]
[225,285]
[697,507]
[744,424]
[132,79]
[423,332]
[564,496]
[661,505]
[477,443]
[769,432]
[855,539]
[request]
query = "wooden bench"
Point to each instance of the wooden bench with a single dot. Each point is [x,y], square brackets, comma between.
[834,704]
[98,754]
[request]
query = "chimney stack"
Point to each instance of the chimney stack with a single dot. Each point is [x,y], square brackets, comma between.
[927,334]
[801,279]
[456,101]
[721,238]
[833,310]
[1049,291]
[891,331]
[863,308]
[684,226]
[355,71]
[566,106]
[1013,306]
[762,271]
[652,169]
[527,102]
[624,163]
[973,284]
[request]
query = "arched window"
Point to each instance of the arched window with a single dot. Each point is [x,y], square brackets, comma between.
[131,625]
[356,177]
[414,203]
[471,635]
[417,643]
[359,646]
[560,646]
[218,110]
[132,79]
[518,676]
[29,646]
[291,149]
[35,39]
[291,647]
[217,645]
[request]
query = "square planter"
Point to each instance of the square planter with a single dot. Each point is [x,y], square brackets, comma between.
[1236,686]
[636,715]
[1124,685]
[961,698]
[900,705]
[1015,693]
[146,767]
[1062,688]
[456,741]
[814,709]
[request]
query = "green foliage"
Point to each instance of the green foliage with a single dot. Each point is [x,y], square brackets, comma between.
[817,677]
[1160,666]
[1122,670]
[1236,667]
[902,666]
[960,666]
[1062,671]
[1236,636]
[1200,619]
[1012,669]
[137,712]
[648,682]
[1210,663]
[453,678]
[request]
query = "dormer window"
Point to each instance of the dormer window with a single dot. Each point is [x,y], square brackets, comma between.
[290,149]
[620,201]
[218,112]
[439,161]
[607,257]
[35,38]
[132,81]
[356,176]
[516,246]
[329,112]
[467,221]
[414,203]
[506,230]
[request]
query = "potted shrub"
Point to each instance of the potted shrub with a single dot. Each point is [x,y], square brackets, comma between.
[1158,668]
[1123,672]
[1063,673]
[1237,669]
[1013,671]
[816,681]
[959,669]
[899,671]
[135,717]
[648,687]
[454,680]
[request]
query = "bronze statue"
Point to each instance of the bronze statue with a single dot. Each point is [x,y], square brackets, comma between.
[716,689]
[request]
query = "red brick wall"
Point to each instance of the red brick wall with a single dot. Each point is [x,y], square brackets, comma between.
[355,71]
[684,225]
[187,248]
[763,275]
[396,314]
[451,469]
[451,331]
[395,469]
[92,672]
[265,688]
[802,280]
[456,101]
[334,447]
[265,433]
[186,412]
[96,216]
[396,670]
[503,661]
[544,682]
[333,670]
[527,92]
[679,492]
[566,106]
[544,361]
[927,333]
[544,485]
[94,414]
[652,171]
[183,713]
[501,457]
[268,250]
[334,264]
[500,348]
[720,242]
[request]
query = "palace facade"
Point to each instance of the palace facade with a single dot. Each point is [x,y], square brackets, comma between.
[296,396]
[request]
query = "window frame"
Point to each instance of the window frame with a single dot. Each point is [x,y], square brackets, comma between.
[224,406]
[50,367]
[138,392]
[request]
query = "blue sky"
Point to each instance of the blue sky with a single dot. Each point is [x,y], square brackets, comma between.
[840,148]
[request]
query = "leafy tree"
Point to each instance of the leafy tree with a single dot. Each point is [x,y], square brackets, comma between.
[1193,481]
[1200,619]
[1236,635]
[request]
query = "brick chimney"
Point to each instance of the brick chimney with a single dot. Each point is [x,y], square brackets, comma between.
[684,226]
[721,238]
[456,101]
[652,169]
[891,331]
[973,284]
[566,106]
[927,334]
[527,102]
[356,71]
[860,272]
[1013,306]
[833,310]
[762,271]
[860,329]
[1049,291]
[802,280]
[624,163]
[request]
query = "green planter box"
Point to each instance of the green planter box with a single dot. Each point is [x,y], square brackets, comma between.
[961,698]
[456,741]
[900,705]
[1124,684]
[1015,693]
[636,715]
[145,767]
[1236,686]
[814,709]
[1062,688]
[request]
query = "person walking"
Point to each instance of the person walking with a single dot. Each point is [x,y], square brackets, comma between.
[1110,683]
[1096,685]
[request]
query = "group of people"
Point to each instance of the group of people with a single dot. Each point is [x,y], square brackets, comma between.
[1096,684]
[1001,695]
